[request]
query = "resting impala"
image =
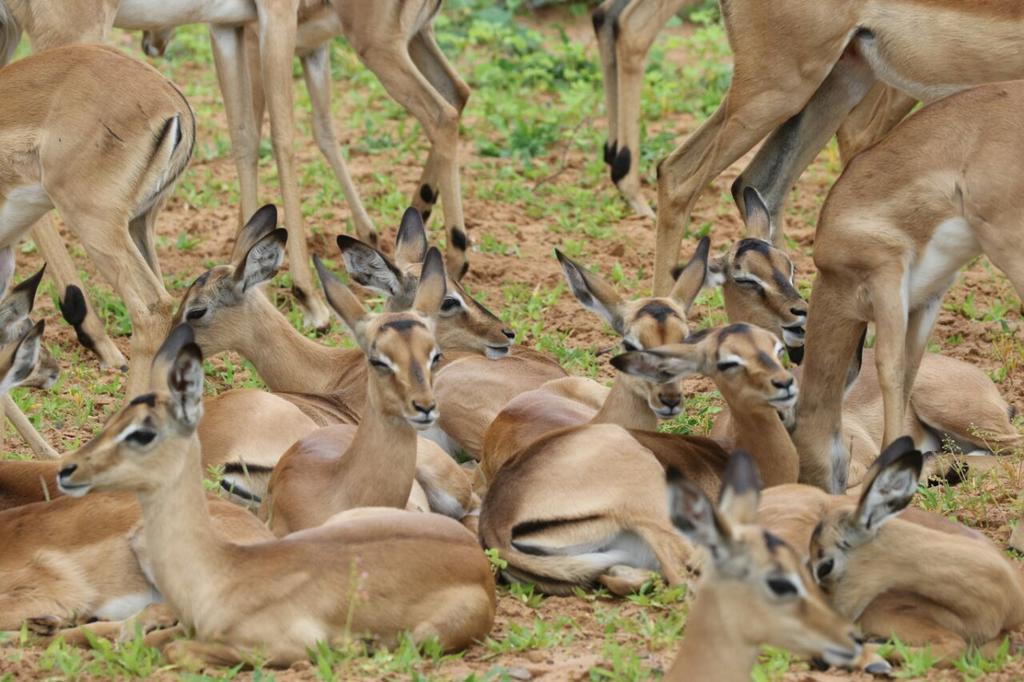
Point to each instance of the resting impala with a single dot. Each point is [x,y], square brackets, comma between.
[952,401]
[806,66]
[315,478]
[869,562]
[755,589]
[106,164]
[888,246]
[277,599]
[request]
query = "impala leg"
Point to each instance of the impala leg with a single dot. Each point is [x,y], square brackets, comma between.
[440,120]
[149,305]
[890,308]
[25,429]
[141,231]
[795,144]
[920,323]
[438,70]
[79,314]
[235,86]
[878,113]
[916,625]
[316,68]
[277,25]
[193,655]
[605,19]
[669,548]
[638,26]
[753,107]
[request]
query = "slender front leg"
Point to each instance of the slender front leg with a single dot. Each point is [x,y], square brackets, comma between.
[25,429]
[79,314]
[795,144]
[316,67]
[888,296]
[235,86]
[638,26]
[436,68]
[277,25]
[440,120]
[605,19]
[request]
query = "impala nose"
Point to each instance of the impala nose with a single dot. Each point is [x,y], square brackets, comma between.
[425,409]
[68,470]
[670,402]
[509,334]
[782,383]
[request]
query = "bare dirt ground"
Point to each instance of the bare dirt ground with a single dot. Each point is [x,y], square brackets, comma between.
[984,342]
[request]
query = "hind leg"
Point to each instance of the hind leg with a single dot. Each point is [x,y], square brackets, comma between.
[79,314]
[605,18]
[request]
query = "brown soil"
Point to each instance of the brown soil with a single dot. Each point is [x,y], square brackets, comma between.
[632,247]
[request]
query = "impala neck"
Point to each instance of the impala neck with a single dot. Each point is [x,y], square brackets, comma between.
[625,408]
[184,549]
[380,463]
[710,650]
[288,361]
[762,433]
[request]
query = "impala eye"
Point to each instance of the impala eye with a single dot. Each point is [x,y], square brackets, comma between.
[436,359]
[726,366]
[627,346]
[450,304]
[782,587]
[381,365]
[824,568]
[140,437]
[750,284]
[195,314]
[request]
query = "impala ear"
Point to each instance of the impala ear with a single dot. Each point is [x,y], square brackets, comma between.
[433,285]
[756,216]
[694,515]
[17,305]
[741,489]
[663,364]
[262,261]
[185,385]
[262,223]
[411,242]
[690,279]
[344,303]
[892,485]
[370,268]
[594,293]
[21,361]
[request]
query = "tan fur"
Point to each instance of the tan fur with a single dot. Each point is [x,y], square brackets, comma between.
[825,57]
[736,610]
[881,226]
[141,136]
[318,476]
[323,584]
[951,399]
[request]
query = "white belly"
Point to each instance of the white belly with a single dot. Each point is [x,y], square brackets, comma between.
[126,606]
[156,14]
[22,207]
[952,244]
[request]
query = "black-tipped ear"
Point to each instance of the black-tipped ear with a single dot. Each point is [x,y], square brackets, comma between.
[262,223]
[661,365]
[341,299]
[29,287]
[892,484]
[690,279]
[17,305]
[433,285]
[594,293]
[370,268]
[694,515]
[26,356]
[262,261]
[185,384]
[756,216]
[741,488]
[411,242]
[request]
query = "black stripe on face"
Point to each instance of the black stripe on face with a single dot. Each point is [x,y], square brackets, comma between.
[659,311]
[144,399]
[752,244]
[773,542]
[402,325]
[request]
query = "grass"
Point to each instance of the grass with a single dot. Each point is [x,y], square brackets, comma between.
[535,118]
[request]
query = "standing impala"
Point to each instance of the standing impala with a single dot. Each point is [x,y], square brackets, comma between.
[806,65]
[105,163]
[896,228]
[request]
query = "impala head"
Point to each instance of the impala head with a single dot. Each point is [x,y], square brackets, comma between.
[764,592]
[462,324]
[743,361]
[18,330]
[645,322]
[145,444]
[892,483]
[757,280]
[224,303]
[400,347]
